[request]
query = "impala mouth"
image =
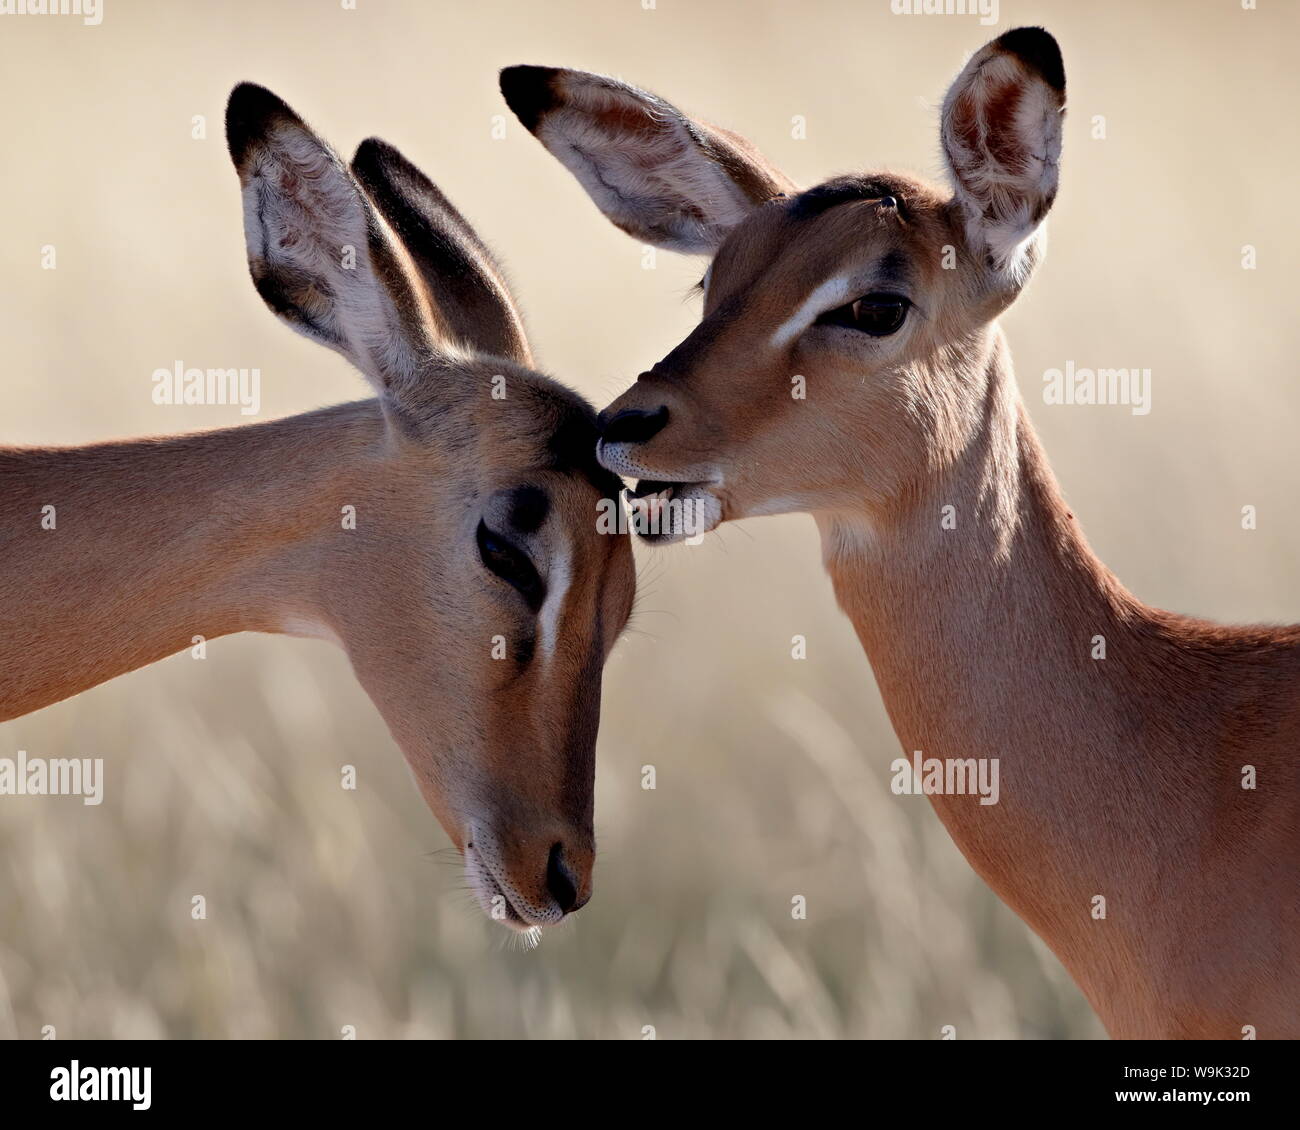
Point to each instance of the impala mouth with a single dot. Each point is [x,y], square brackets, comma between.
[651,490]
[492,897]
[665,511]
[512,916]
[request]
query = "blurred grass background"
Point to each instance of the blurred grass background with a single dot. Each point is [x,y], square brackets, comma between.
[329,908]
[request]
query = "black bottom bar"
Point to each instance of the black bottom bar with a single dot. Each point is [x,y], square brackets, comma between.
[362,1077]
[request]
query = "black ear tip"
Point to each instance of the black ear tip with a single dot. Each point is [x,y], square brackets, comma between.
[249,114]
[375,162]
[529,92]
[374,151]
[1036,48]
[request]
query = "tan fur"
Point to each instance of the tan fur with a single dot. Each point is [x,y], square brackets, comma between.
[161,540]
[1120,777]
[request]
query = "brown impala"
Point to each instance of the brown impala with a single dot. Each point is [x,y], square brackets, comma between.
[1125,768]
[466,578]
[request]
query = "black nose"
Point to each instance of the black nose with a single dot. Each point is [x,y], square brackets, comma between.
[560,882]
[633,425]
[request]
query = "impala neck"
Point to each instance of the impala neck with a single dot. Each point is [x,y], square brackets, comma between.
[155,542]
[982,641]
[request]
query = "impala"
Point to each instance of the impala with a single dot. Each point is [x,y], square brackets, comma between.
[1123,834]
[443,533]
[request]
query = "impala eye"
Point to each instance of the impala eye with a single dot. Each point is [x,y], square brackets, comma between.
[509,563]
[876,314]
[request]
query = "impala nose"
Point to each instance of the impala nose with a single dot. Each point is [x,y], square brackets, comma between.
[560,881]
[633,425]
[525,880]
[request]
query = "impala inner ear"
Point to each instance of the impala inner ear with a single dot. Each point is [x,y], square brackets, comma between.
[656,174]
[1001,133]
[317,254]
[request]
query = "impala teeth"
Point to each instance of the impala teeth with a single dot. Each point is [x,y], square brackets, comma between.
[656,496]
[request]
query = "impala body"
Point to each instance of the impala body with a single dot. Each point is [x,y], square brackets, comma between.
[443,533]
[1148,824]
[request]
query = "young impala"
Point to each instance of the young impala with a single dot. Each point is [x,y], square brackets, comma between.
[443,533]
[1124,733]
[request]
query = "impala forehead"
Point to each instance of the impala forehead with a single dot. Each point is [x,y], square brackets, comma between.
[791,255]
[550,506]
[588,575]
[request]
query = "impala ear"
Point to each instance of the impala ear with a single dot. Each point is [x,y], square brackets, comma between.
[1001,133]
[319,256]
[656,174]
[468,294]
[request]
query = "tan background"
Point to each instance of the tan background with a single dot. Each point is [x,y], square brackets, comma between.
[326,908]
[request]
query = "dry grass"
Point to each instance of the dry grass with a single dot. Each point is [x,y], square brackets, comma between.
[327,907]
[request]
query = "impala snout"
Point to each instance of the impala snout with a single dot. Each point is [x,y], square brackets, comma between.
[628,426]
[645,435]
[633,425]
[529,881]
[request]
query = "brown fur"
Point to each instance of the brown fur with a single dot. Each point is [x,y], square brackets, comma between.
[161,540]
[1121,776]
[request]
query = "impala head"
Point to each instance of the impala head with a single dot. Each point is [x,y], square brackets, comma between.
[844,327]
[474,595]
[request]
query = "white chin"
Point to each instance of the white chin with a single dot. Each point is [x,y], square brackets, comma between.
[496,905]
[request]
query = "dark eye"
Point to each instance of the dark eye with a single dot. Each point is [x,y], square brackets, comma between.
[511,564]
[876,314]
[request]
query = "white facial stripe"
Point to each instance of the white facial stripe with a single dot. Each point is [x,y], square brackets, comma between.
[557,588]
[831,293]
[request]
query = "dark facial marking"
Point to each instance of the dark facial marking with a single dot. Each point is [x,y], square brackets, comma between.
[572,446]
[524,648]
[528,508]
[841,190]
[892,270]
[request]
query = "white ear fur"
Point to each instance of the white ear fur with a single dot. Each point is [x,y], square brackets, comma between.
[319,255]
[655,173]
[1001,134]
